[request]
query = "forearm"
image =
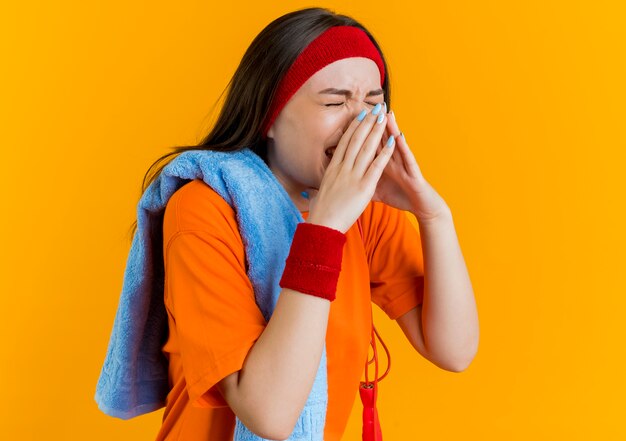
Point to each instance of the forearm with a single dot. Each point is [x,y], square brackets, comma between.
[280,369]
[449,315]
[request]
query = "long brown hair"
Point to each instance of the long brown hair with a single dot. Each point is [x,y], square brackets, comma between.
[251,89]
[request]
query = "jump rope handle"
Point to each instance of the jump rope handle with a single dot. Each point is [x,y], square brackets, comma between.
[369,393]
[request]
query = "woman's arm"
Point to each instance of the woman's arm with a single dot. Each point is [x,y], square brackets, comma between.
[444,328]
[448,319]
[274,383]
[270,391]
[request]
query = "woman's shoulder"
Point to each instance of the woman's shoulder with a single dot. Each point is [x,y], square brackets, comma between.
[195,206]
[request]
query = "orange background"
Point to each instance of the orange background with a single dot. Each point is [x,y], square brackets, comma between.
[515,113]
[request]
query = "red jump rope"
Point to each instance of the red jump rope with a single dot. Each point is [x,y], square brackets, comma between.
[369,393]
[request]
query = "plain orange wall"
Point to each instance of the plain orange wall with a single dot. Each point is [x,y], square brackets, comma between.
[515,112]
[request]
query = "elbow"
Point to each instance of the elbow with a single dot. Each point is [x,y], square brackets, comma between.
[454,364]
[269,425]
[284,426]
[265,418]
[267,430]
[450,366]
[461,364]
[261,422]
[264,426]
[273,435]
[269,418]
[274,431]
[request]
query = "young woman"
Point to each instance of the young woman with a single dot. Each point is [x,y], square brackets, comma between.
[310,98]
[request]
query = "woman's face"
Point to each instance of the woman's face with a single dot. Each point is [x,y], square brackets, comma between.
[315,118]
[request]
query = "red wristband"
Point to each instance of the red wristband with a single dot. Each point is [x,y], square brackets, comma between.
[314,260]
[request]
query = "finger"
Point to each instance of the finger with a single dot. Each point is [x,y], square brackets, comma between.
[386,133]
[368,150]
[360,135]
[382,142]
[408,158]
[338,156]
[393,124]
[378,165]
[410,163]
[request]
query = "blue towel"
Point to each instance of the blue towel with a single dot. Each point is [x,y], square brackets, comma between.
[134,378]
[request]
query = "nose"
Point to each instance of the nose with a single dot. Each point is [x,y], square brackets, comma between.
[352,115]
[356,110]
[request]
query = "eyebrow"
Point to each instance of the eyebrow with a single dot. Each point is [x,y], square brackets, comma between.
[348,93]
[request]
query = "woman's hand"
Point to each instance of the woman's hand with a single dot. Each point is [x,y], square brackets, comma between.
[351,177]
[402,184]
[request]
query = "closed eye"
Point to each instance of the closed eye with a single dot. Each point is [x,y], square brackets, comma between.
[339,104]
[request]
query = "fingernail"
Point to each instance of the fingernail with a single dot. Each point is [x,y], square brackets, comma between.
[380,118]
[362,115]
[390,141]
[376,109]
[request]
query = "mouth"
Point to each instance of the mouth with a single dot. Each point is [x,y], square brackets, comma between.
[330,151]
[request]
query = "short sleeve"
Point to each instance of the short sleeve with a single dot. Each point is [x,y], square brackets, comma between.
[395,258]
[212,302]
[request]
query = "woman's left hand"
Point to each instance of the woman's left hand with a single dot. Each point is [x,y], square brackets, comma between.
[402,184]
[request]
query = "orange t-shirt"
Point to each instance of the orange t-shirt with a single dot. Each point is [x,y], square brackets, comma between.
[214,320]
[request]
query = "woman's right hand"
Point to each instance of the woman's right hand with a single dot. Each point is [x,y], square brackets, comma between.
[352,175]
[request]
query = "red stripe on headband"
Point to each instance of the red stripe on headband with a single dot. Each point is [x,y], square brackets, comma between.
[336,43]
